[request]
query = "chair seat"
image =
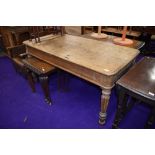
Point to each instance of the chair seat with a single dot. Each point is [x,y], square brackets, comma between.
[38,66]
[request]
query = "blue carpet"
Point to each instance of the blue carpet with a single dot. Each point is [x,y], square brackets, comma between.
[77,108]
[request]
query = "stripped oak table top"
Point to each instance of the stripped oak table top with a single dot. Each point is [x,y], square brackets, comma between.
[101,57]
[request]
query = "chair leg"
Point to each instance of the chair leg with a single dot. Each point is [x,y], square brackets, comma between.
[121,108]
[44,84]
[151,119]
[30,80]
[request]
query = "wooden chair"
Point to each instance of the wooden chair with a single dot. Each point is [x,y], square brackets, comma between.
[139,84]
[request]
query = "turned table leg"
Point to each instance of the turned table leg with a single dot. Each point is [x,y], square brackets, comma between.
[44,84]
[104,103]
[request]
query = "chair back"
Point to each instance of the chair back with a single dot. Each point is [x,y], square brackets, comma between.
[37,31]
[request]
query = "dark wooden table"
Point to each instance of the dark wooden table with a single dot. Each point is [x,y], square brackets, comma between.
[138,83]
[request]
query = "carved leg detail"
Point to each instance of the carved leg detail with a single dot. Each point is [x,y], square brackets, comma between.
[104,103]
[44,84]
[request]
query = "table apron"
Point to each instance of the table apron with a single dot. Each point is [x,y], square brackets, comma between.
[104,81]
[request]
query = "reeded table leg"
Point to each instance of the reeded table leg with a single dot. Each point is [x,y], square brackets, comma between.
[104,103]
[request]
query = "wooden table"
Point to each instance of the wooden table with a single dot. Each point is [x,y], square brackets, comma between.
[142,88]
[97,62]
